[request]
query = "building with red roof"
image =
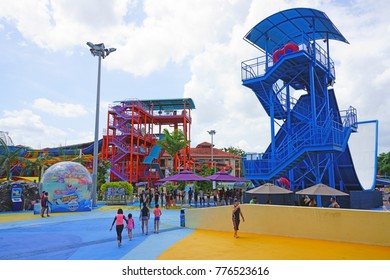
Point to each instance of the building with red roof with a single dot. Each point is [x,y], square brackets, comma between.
[201,154]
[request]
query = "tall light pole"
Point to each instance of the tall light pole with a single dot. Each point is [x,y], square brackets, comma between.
[212,133]
[100,51]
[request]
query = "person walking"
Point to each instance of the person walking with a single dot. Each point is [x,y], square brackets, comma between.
[45,205]
[144,217]
[118,220]
[130,226]
[157,214]
[236,214]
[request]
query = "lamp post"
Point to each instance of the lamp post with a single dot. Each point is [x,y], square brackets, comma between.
[212,133]
[100,51]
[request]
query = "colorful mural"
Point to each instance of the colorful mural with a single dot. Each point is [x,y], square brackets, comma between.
[69,186]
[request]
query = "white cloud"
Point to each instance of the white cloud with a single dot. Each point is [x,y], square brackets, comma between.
[65,110]
[171,30]
[28,128]
[207,37]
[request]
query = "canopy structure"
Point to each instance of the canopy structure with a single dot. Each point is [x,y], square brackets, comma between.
[321,189]
[269,188]
[289,25]
[185,175]
[224,177]
[170,104]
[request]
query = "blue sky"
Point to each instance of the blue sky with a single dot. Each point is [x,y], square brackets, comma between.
[169,49]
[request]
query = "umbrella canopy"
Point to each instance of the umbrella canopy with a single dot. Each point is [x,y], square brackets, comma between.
[321,189]
[269,188]
[224,177]
[185,175]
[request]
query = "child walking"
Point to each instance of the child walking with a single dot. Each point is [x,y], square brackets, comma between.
[157,214]
[144,218]
[130,226]
[118,220]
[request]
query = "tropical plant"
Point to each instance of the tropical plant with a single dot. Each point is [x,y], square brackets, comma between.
[237,151]
[41,163]
[173,143]
[205,171]
[234,150]
[102,172]
[10,156]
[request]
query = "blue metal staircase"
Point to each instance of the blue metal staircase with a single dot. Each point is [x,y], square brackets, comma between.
[311,145]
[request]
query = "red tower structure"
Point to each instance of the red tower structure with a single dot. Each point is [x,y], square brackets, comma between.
[134,127]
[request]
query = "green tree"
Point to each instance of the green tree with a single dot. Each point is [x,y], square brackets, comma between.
[9,157]
[239,152]
[102,172]
[172,143]
[384,164]
[234,150]
[205,185]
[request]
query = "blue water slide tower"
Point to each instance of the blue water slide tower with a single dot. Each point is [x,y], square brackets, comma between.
[293,80]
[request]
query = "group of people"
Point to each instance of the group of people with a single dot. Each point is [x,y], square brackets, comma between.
[192,197]
[237,215]
[120,219]
[312,202]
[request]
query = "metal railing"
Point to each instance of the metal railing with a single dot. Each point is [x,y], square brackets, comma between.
[257,67]
[328,133]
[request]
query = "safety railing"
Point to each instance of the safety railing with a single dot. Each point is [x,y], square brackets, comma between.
[308,137]
[257,67]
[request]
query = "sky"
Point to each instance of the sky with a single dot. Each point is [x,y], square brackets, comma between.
[170,49]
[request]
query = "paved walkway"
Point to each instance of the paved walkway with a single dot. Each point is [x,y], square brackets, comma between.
[86,236]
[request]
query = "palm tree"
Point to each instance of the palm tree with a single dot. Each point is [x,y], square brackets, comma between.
[9,157]
[173,143]
[41,163]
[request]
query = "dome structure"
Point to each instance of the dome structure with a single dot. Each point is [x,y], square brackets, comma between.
[69,185]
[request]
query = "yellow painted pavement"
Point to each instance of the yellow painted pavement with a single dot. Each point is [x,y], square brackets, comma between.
[217,245]
[214,245]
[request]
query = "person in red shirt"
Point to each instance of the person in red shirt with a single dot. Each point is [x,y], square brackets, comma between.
[118,220]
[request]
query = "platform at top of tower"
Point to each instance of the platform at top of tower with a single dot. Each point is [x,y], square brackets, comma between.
[164,104]
[289,25]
